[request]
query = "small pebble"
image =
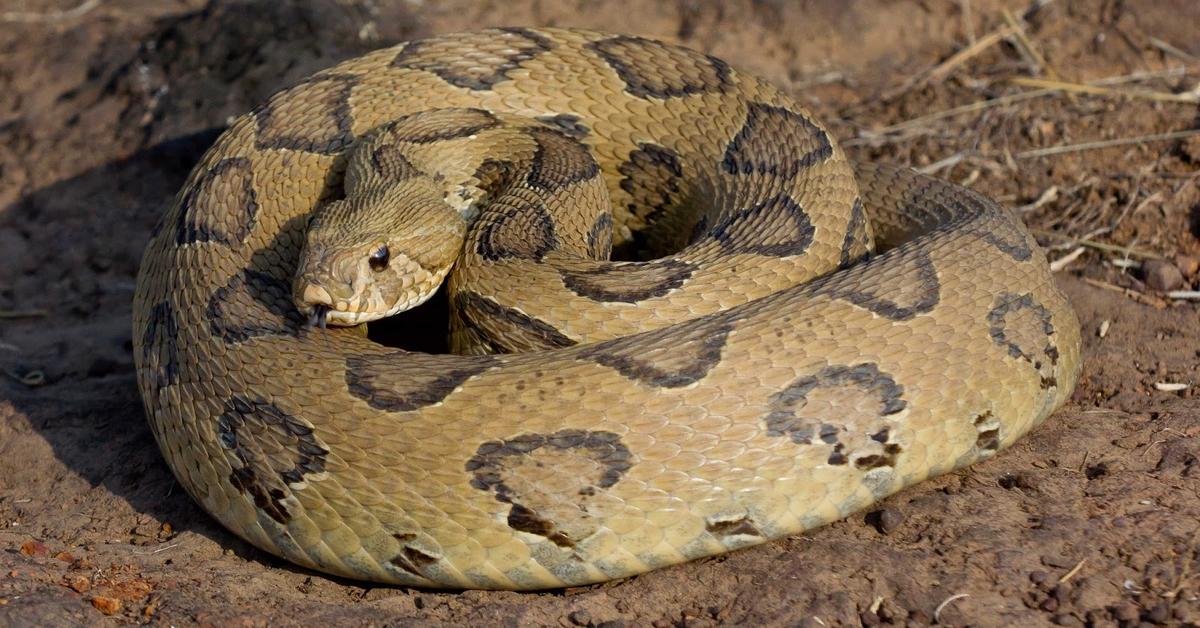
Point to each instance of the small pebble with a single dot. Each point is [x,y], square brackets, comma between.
[887,520]
[580,617]
[1049,605]
[1162,276]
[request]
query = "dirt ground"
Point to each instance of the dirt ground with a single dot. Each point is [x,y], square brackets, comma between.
[1093,519]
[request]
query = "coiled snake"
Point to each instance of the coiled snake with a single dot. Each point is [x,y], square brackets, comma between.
[809,339]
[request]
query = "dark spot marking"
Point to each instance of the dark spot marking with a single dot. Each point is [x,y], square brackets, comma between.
[599,241]
[1008,235]
[628,282]
[508,328]
[892,296]
[220,206]
[390,164]
[253,304]
[740,526]
[322,103]
[275,449]
[653,69]
[988,439]
[412,560]
[440,125]
[159,352]
[684,355]
[787,416]
[525,520]
[875,461]
[401,381]
[776,141]
[856,235]
[495,175]
[508,231]
[497,467]
[1021,339]
[559,161]
[653,178]
[472,62]
[568,123]
[777,226]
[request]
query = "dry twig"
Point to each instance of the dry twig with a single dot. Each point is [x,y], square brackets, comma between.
[30,17]
[1124,141]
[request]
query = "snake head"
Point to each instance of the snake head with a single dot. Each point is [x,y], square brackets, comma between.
[369,257]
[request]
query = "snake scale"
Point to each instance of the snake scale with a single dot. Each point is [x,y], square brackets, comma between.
[804,338]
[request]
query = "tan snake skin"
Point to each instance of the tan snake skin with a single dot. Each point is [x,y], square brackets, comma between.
[735,401]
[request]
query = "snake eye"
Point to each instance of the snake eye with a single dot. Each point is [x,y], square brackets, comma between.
[379,259]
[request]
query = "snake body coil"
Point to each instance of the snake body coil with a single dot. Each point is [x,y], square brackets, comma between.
[812,338]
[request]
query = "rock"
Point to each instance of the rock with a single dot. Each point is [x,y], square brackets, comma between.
[886,520]
[1162,276]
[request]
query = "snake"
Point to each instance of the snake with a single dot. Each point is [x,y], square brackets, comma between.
[682,321]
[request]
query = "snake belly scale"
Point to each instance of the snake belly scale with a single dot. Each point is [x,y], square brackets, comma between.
[820,336]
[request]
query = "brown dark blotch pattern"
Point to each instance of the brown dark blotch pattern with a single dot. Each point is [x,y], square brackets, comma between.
[681,355]
[253,304]
[329,133]
[471,62]
[855,234]
[506,327]
[732,527]
[507,231]
[988,439]
[628,282]
[599,241]
[568,123]
[159,350]
[440,125]
[887,301]
[495,175]
[776,141]
[786,416]
[221,206]
[275,450]
[493,459]
[401,381]
[653,69]
[1006,234]
[390,164]
[1009,238]
[559,161]
[1044,359]
[411,559]
[777,226]
[653,178]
